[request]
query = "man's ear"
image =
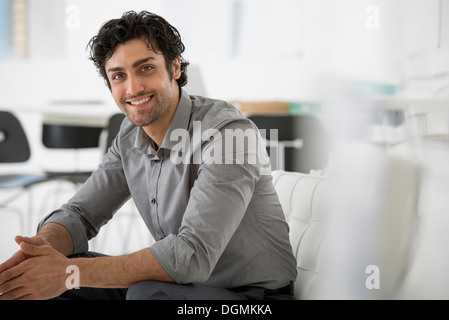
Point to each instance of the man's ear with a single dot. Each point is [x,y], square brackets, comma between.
[176,67]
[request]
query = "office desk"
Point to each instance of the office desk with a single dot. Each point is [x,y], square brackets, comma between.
[78,115]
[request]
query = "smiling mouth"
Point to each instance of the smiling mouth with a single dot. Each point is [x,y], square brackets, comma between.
[141,102]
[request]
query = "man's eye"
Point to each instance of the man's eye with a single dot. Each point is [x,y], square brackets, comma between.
[117,76]
[147,68]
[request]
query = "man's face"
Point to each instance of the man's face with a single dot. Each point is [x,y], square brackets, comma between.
[140,83]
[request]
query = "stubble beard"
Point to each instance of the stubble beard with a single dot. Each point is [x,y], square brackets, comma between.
[147,116]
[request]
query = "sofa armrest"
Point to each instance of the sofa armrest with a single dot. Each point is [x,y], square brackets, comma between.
[307,202]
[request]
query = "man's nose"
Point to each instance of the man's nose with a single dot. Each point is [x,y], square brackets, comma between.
[134,86]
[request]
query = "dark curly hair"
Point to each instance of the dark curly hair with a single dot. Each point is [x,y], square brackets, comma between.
[161,36]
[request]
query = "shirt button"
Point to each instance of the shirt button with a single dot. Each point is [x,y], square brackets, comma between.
[153,201]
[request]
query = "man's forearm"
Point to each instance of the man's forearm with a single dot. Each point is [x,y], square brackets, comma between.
[58,237]
[106,272]
[119,271]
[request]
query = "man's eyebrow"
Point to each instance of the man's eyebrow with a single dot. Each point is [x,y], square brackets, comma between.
[115,69]
[134,65]
[141,61]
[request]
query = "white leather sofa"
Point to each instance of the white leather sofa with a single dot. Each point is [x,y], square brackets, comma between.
[305,200]
[350,244]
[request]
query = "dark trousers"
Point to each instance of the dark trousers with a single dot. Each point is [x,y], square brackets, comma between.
[157,290]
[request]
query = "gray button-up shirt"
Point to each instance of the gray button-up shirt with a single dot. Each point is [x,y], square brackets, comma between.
[205,196]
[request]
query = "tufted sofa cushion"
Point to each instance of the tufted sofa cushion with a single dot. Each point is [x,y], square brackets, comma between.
[352,236]
[307,201]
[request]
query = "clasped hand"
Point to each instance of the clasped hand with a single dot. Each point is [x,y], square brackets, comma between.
[35,272]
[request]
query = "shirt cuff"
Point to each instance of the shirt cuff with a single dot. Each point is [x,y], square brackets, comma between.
[174,255]
[73,224]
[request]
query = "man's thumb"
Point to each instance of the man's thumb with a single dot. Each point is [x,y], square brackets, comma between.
[33,250]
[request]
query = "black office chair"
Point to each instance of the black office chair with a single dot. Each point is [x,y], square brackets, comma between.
[61,136]
[57,136]
[14,148]
[302,144]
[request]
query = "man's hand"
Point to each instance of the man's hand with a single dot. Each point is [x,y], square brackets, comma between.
[37,271]
[20,255]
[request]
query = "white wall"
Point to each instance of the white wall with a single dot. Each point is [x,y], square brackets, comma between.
[264,59]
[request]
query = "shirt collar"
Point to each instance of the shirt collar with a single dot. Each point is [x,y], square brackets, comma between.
[181,120]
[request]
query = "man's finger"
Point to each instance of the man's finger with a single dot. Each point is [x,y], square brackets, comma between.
[34,250]
[6,265]
[19,239]
[18,293]
[36,240]
[15,259]
[5,279]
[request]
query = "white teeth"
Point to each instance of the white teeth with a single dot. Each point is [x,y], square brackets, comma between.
[136,103]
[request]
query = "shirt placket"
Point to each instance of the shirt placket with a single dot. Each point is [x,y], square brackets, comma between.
[155,176]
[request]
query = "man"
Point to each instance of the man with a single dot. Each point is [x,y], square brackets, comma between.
[218,226]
